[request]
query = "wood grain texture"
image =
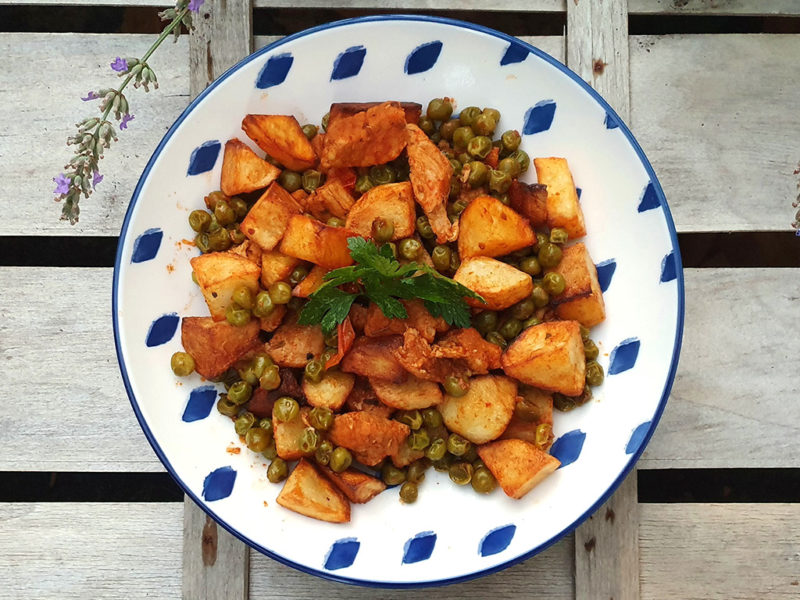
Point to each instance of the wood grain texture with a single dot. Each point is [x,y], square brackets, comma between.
[720,551]
[716,7]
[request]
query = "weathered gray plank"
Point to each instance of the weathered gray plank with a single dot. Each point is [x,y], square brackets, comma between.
[720,551]
[716,7]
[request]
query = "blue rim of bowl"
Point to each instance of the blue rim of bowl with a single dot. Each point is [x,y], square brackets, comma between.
[678,331]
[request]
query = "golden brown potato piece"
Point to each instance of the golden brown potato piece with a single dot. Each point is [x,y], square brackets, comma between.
[281,137]
[582,299]
[374,358]
[363,397]
[310,240]
[529,200]
[272,321]
[332,199]
[405,456]
[267,219]
[249,250]
[534,408]
[338,110]
[215,346]
[311,283]
[293,345]
[548,356]
[483,413]
[377,324]
[357,486]
[301,197]
[467,344]
[416,357]
[243,170]
[358,317]
[490,228]
[310,494]
[517,465]
[563,207]
[276,267]
[287,434]
[372,137]
[408,395]
[219,274]
[393,202]
[370,437]
[500,284]
[331,391]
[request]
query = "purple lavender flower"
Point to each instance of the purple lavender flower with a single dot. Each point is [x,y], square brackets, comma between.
[62,184]
[90,96]
[120,65]
[126,118]
[96,179]
[194,5]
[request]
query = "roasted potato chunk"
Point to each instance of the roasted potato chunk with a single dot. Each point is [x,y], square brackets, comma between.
[310,494]
[517,465]
[372,137]
[276,267]
[582,299]
[311,283]
[357,486]
[287,434]
[405,456]
[393,202]
[374,358]
[249,250]
[363,397]
[529,200]
[281,137]
[500,284]
[370,437]
[548,356]
[338,110]
[378,324]
[272,321]
[332,199]
[293,345]
[308,239]
[267,219]
[219,274]
[215,346]
[416,357]
[409,394]
[490,228]
[563,207]
[483,413]
[468,345]
[243,170]
[331,391]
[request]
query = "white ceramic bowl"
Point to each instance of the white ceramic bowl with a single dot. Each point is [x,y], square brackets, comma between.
[450,533]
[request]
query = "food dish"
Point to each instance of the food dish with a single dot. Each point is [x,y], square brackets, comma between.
[640,272]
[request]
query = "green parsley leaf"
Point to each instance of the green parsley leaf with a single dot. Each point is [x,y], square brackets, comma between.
[328,306]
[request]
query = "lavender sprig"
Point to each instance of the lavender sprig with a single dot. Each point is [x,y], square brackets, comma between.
[95,134]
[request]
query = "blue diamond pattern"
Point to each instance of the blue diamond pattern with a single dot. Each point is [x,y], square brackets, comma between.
[515,53]
[275,71]
[348,63]
[497,540]
[578,191]
[611,122]
[568,447]
[342,553]
[605,271]
[200,402]
[162,330]
[539,117]
[218,484]
[419,547]
[624,356]
[423,57]
[146,245]
[637,437]
[204,157]
[649,199]
[668,268]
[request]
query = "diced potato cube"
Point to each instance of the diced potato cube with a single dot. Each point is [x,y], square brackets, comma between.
[374,358]
[331,391]
[243,170]
[499,283]
[249,250]
[563,207]
[490,228]
[482,414]
[308,239]
[276,267]
[330,199]
[363,397]
[273,320]
[219,275]
[287,434]
[582,299]
[529,200]
[310,494]
[215,346]
[267,219]
[311,283]
[393,202]
[548,356]
[293,345]
[408,395]
[517,465]
[357,486]
[371,437]
[281,137]
[371,137]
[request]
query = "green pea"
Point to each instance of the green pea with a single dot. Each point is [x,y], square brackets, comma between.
[484,124]
[412,418]
[227,407]
[439,109]
[202,244]
[309,440]
[311,180]
[553,283]
[431,417]
[543,433]
[264,306]
[491,112]
[240,392]
[455,260]
[455,188]
[495,338]
[510,140]
[563,403]
[427,125]
[457,445]
[309,130]
[522,158]
[424,228]
[324,121]
[479,146]
[483,481]
[295,304]
[270,452]
[182,364]
[443,464]
[530,322]
[280,292]
[266,424]
[409,492]
[224,213]
[485,321]
[271,379]
[239,207]
[286,409]
[416,471]
[436,450]
[541,239]
[363,184]
[540,297]
[460,473]
[558,235]
[549,255]
[335,222]
[257,439]
[341,459]
[499,182]
[447,129]
[219,240]
[314,371]
[332,339]
[594,373]
[238,317]
[391,475]
[328,354]
[243,297]
[478,174]
[382,174]
[236,235]
[590,350]
[323,453]
[456,386]
[418,440]
[509,166]
[199,220]
[409,248]
[321,418]
[523,309]
[510,329]
[298,274]
[277,470]
[291,181]
[382,230]
[244,422]
[468,115]
[462,136]
[530,265]
[441,257]
[213,198]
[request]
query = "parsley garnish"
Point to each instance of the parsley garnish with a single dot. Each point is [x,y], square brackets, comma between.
[384,281]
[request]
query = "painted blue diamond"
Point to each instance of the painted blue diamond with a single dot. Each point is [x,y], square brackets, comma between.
[611,122]
[578,191]
[419,547]
[668,268]
[637,437]
[539,117]
[162,330]
[423,57]
[515,53]
[605,271]
[146,245]
[649,199]
[204,157]
[568,447]
[218,484]
[275,71]
[199,404]
[342,554]
[623,357]
[348,63]
[497,540]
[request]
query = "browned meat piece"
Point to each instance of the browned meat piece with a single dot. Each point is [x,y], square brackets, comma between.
[378,324]
[467,344]
[412,110]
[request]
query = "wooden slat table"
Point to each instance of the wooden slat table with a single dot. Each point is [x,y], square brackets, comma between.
[717,116]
